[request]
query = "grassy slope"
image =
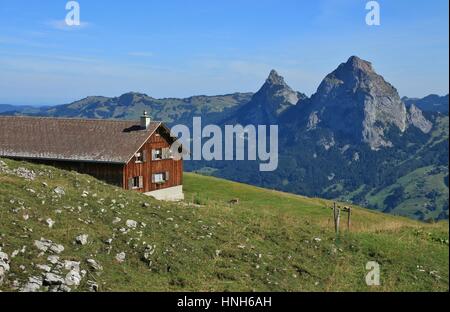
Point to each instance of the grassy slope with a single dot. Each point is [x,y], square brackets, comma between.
[265,243]
[417,185]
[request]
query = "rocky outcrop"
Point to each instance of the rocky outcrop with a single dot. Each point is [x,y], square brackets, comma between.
[4,266]
[82,239]
[45,245]
[357,102]
[313,121]
[274,98]
[418,120]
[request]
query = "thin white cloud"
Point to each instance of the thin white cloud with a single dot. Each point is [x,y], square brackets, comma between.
[140,54]
[62,25]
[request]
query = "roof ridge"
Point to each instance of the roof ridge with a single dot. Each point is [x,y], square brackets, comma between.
[78,118]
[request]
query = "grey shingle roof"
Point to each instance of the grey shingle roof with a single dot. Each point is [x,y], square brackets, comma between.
[93,140]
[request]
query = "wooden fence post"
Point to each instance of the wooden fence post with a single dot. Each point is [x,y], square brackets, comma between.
[334,214]
[338,220]
[349,216]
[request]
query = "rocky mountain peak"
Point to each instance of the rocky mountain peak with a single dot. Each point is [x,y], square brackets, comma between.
[272,99]
[275,79]
[277,94]
[355,63]
[357,101]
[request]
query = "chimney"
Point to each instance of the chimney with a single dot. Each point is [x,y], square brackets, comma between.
[145,120]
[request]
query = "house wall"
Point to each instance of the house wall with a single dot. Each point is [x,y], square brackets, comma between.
[150,167]
[109,173]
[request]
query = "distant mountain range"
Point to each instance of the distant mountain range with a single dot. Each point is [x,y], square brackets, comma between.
[430,103]
[132,104]
[11,108]
[355,139]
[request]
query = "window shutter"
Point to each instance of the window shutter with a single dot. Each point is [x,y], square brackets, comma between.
[141,182]
[153,178]
[144,155]
[167,177]
[130,183]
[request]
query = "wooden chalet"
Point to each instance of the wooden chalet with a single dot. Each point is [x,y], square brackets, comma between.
[133,155]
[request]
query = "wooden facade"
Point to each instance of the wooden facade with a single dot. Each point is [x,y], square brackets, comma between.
[172,169]
[145,169]
[109,173]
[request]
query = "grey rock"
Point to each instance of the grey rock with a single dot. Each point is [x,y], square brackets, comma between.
[4,266]
[50,222]
[45,245]
[418,120]
[72,265]
[53,259]
[57,248]
[73,278]
[64,288]
[313,121]
[34,284]
[52,279]
[120,257]
[44,267]
[82,239]
[60,191]
[92,286]
[94,265]
[131,224]
[25,173]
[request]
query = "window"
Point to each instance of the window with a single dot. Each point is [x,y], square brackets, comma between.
[157,154]
[160,178]
[136,183]
[141,157]
[161,153]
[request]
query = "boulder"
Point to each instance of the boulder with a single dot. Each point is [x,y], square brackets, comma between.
[60,191]
[92,286]
[45,245]
[50,222]
[4,266]
[44,267]
[73,278]
[53,259]
[94,265]
[72,265]
[131,224]
[82,239]
[120,257]
[51,279]
[34,284]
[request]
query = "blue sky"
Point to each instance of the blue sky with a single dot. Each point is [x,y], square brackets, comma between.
[181,48]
